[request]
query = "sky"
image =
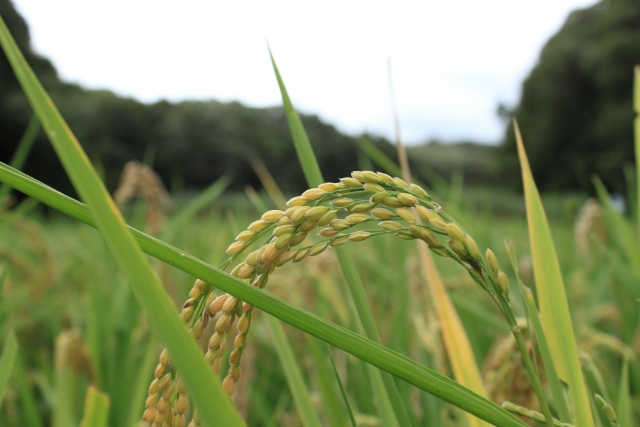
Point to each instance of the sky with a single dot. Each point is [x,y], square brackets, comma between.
[453,62]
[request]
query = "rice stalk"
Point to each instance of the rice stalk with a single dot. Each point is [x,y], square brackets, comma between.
[280,235]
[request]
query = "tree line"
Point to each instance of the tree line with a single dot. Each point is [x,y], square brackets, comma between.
[575,113]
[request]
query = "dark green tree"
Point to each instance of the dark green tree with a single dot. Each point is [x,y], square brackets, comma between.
[576,113]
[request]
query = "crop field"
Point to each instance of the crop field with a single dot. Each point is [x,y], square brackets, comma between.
[371,301]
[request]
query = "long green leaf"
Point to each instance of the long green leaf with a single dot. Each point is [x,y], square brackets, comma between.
[22,152]
[292,372]
[620,228]
[554,308]
[379,157]
[213,404]
[342,391]
[7,361]
[623,408]
[330,402]
[390,405]
[367,350]
[543,346]
[96,409]
[29,408]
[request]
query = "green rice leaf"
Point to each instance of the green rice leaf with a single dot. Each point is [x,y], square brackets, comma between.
[623,408]
[292,372]
[96,409]
[330,403]
[28,405]
[22,152]
[213,404]
[307,158]
[543,346]
[363,348]
[621,229]
[390,405]
[342,391]
[554,308]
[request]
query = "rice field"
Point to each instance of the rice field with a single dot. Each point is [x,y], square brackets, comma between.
[373,301]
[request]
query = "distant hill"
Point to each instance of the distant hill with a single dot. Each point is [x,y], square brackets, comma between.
[477,162]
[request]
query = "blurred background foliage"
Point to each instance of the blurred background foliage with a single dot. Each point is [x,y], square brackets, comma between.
[575,114]
[576,108]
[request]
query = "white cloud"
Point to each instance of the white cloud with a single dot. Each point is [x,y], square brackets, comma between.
[453,61]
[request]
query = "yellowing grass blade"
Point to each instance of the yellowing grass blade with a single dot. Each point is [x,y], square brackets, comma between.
[554,309]
[464,366]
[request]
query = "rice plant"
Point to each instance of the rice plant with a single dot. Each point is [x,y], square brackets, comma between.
[345,217]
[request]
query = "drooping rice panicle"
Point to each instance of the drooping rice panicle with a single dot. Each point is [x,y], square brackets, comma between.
[333,209]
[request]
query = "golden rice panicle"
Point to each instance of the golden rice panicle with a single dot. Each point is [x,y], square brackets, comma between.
[244,311]
[158,399]
[181,405]
[235,357]
[225,305]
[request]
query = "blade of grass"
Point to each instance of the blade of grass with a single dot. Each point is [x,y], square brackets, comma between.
[390,406]
[362,348]
[554,308]
[96,409]
[22,152]
[378,156]
[342,391]
[543,346]
[30,413]
[292,372]
[464,366]
[328,395]
[330,402]
[624,408]
[7,362]
[623,231]
[268,182]
[205,389]
[68,386]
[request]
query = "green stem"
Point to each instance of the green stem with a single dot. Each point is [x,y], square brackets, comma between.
[505,307]
[528,364]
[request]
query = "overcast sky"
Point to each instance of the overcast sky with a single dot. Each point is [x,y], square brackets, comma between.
[453,61]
